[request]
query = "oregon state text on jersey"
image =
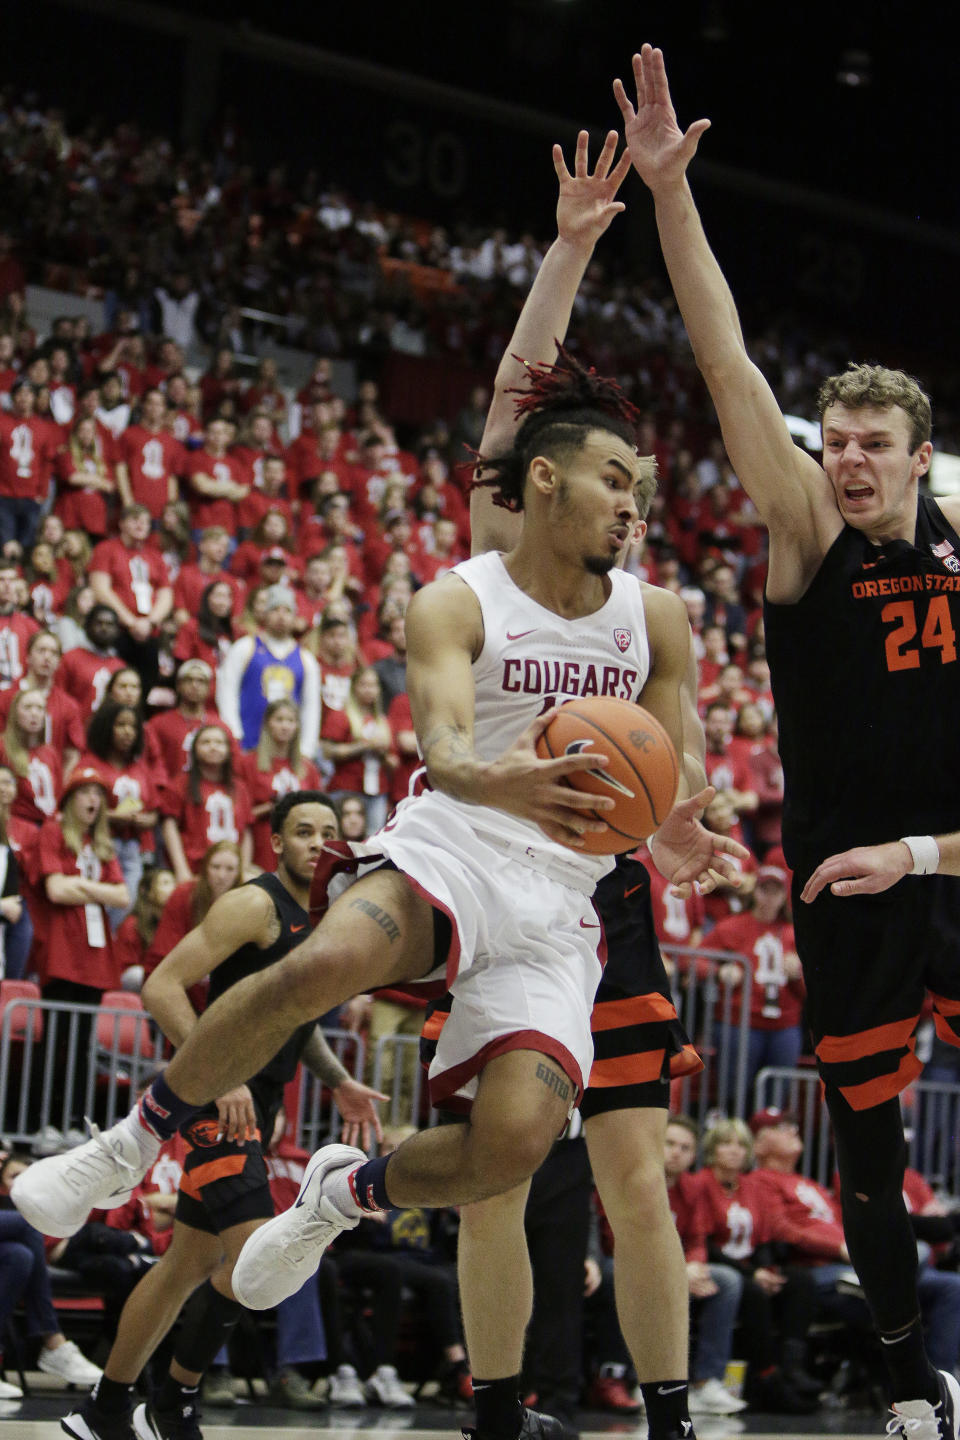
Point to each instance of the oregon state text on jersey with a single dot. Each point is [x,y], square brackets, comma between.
[867,689]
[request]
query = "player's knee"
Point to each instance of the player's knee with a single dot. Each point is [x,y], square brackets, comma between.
[636,1198]
[187,1268]
[513,1148]
[300,984]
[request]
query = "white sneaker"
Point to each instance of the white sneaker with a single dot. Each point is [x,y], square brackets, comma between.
[919,1420]
[56,1195]
[10,1392]
[384,1388]
[713,1398]
[345,1389]
[68,1364]
[281,1255]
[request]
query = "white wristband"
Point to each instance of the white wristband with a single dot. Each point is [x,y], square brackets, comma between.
[925,852]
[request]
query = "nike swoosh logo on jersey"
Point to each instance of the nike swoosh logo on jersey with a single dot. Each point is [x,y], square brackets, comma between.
[632,891]
[585,925]
[520,634]
[294,929]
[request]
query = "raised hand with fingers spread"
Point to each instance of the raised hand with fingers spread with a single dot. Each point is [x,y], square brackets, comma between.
[658,148]
[586,204]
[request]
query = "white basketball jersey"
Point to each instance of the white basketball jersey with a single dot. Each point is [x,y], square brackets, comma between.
[533,659]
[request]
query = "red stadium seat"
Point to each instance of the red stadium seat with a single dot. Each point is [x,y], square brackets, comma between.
[130,1033]
[24,1021]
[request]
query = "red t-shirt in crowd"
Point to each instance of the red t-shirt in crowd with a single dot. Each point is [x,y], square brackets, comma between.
[805,1214]
[262,397]
[189,645]
[728,771]
[81,507]
[776,1001]
[163,1178]
[151,457]
[249,461]
[400,718]
[192,581]
[917,1193]
[135,574]
[335,684]
[176,921]
[310,608]
[15,631]
[305,463]
[38,792]
[137,781]
[208,510]
[64,721]
[128,948]
[85,676]
[251,510]
[27,448]
[736,1223]
[220,814]
[77,945]
[673,919]
[172,733]
[686,1209]
[351,774]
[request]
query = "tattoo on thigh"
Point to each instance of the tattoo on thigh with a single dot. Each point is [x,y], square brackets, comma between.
[555,1081]
[379,917]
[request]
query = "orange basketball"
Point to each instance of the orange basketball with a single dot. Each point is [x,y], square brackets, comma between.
[642,773]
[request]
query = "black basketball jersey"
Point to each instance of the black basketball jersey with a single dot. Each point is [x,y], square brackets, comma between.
[294,926]
[866,681]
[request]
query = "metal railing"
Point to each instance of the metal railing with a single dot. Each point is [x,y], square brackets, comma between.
[79,1064]
[318,1119]
[92,1060]
[931,1116]
[703,1001]
[398,1057]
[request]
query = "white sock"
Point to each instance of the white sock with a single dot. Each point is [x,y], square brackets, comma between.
[146,1142]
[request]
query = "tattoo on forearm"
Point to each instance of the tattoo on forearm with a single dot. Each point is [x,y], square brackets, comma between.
[319,1058]
[379,917]
[555,1081]
[451,737]
[445,746]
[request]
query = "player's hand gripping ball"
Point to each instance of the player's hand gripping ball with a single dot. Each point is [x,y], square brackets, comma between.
[641,776]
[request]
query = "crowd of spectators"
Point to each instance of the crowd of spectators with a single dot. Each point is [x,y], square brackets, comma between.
[182,240]
[203,581]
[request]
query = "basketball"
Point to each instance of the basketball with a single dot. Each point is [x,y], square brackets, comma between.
[642,774]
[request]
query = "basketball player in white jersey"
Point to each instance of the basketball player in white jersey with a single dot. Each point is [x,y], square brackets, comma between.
[625,1133]
[487,886]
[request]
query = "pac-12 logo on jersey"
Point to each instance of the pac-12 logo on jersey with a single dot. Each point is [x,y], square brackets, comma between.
[623,638]
[944,551]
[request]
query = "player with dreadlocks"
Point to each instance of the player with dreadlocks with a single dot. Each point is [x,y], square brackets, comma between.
[639,1043]
[481,881]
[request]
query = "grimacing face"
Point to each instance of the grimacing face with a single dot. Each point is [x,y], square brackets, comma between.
[867,458]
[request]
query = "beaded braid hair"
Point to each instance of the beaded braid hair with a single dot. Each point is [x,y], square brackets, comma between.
[561,404]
